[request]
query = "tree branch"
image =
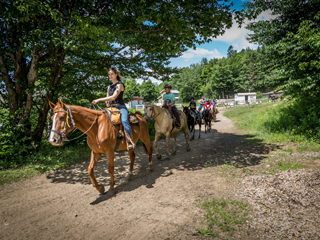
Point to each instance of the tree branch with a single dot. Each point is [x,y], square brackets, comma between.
[102,65]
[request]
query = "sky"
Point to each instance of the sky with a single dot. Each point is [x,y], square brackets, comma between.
[218,47]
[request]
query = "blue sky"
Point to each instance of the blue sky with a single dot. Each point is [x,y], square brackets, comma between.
[218,47]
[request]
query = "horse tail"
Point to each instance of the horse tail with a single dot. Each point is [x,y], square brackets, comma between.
[145,148]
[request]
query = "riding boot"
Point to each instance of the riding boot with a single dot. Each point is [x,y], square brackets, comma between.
[129,139]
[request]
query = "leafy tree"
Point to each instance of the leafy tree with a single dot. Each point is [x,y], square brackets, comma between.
[64,48]
[292,39]
[131,90]
[148,91]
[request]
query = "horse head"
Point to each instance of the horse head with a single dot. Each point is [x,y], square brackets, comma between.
[185,110]
[61,119]
[148,111]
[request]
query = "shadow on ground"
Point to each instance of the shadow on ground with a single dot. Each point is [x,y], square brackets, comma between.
[213,148]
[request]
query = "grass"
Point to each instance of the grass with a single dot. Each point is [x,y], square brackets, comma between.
[47,159]
[263,122]
[223,216]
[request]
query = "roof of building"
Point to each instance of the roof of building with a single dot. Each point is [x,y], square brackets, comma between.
[250,93]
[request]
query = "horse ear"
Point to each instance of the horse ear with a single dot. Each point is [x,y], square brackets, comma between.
[52,105]
[152,102]
[61,103]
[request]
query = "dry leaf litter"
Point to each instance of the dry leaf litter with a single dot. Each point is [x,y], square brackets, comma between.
[285,205]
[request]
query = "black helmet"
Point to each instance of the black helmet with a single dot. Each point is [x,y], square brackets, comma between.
[191,97]
[168,86]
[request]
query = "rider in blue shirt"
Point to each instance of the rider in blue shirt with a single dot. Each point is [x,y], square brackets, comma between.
[193,106]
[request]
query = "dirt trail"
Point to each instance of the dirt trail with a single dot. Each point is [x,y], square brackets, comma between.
[156,205]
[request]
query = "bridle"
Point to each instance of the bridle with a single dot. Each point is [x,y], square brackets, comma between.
[149,118]
[72,126]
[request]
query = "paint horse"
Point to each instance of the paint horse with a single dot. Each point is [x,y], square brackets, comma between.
[101,136]
[192,121]
[164,126]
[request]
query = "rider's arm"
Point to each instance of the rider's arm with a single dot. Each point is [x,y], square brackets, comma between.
[169,104]
[107,102]
[116,93]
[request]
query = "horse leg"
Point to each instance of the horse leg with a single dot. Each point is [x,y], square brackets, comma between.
[194,129]
[155,146]
[186,137]
[167,144]
[93,161]
[110,156]
[174,143]
[132,159]
[148,147]
[200,128]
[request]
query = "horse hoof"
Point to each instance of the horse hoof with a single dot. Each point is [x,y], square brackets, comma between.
[188,149]
[159,157]
[111,192]
[174,153]
[101,190]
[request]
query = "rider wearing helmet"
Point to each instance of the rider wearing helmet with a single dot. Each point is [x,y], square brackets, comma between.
[207,106]
[193,106]
[169,99]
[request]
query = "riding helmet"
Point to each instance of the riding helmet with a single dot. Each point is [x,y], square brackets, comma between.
[168,86]
[208,100]
[191,97]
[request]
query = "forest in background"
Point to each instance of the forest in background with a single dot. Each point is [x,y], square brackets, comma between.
[66,53]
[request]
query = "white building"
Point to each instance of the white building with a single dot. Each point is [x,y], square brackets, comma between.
[243,98]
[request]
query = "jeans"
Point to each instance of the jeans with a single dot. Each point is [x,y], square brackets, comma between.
[200,107]
[124,117]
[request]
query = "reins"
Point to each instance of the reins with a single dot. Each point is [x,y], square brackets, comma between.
[154,116]
[73,125]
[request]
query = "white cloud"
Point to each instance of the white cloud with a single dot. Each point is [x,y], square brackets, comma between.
[201,52]
[154,80]
[236,36]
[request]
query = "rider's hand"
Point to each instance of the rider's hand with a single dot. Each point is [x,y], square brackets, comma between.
[108,105]
[95,101]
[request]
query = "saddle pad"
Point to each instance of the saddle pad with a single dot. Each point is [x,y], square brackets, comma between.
[169,113]
[115,116]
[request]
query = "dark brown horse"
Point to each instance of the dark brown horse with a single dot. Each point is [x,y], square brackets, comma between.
[192,121]
[101,136]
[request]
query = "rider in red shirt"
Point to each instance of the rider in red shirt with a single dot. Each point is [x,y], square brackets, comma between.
[207,106]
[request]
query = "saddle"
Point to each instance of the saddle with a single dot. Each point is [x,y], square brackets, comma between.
[115,116]
[168,110]
[170,114]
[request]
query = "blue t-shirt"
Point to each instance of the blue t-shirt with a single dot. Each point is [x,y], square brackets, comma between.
[192,105]
[213,103]
[169,98]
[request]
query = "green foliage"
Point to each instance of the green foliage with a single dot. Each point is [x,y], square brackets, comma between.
[131,90]
[297,120]
[239,72]
[292,44]
[148,91]
[51,49]
[224,215]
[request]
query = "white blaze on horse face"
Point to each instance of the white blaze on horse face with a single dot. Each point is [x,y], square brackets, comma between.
[53,128]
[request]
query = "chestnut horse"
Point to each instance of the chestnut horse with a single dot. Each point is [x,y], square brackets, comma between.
[101,136]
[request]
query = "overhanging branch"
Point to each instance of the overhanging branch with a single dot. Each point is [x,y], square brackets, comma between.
[102,65]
